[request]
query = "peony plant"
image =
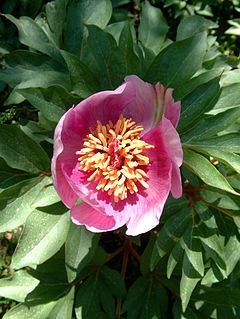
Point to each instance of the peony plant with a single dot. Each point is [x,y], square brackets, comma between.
[131,208]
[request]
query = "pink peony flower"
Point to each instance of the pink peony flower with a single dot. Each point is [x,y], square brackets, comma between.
[120,153]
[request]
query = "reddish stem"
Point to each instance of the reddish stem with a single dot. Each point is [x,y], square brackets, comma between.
[115,253]
[127,249]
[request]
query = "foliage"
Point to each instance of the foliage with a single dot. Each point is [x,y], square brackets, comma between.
[66,50]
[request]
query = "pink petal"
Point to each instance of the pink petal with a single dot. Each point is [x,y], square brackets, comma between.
[164,174]
[165,100]
[93,219]
[62,186]
[102,106]
[175,152]
[146,214]
[143,107]
[176,188]
[173,143]
[74,126]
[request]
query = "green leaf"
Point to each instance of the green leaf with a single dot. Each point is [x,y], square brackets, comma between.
[81,13]
[84,82]
[229,98]
[193,254]
[232,258]
[114,282]
[115,29]
[212,125]
[105,58]
[47,196]
[227,142]
[35,312]
[193,25]
[56,14]
[107,301]
[212,242]
[146,299]
[7,172]
[87,303]
[31,34]
[21,152]
[79,250]
[43,235]
[193,267]
[145,264]
[26,69]
[169,235]
[18,286]
[97,293]
[189,86]
[187,286]
[153,27]
[46,292]
[197,103]
[19,200]
[46,272]
[52,102]
[126,44]
[204,169]
[228,158]
[175,258]
[178,62]
[62,308]
[189,237]
[223,301]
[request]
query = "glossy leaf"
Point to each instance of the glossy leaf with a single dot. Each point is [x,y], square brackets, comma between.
[81,13]
[87,299]
[31,34]
[18,286]
[229,98]
[19,200]
[105,58]
[35,312]
[52,101]
[193,25]
[79,249]
[61,308]
[146,299]
[211,125]
[126,44]
[97,292]
[114,282]
[172,231]
[152,28]
[203,168]
[28,69]
[194,105]
[83,80]
[21,152]
[43,235]
[228,142]
[178,62]
[228,158]
[64,307]
[56,13]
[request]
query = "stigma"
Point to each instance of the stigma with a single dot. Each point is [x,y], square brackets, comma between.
[113,155]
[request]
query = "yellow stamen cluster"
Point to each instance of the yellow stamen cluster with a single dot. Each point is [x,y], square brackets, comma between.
[114,155]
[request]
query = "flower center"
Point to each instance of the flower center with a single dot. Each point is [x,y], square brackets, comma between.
[114,155]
